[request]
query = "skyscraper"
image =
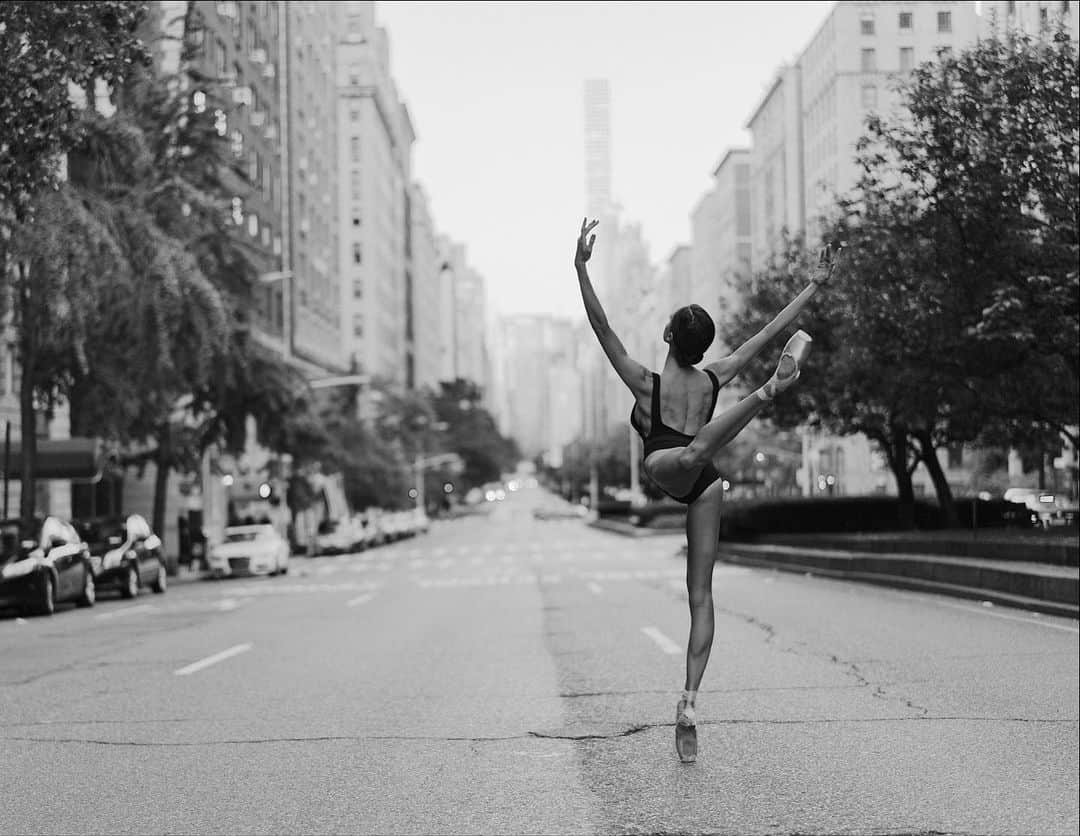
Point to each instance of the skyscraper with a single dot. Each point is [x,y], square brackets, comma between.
[375,146]
[310,47]
[597,148]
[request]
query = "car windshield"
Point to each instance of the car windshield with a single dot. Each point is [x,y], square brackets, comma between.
[247,536]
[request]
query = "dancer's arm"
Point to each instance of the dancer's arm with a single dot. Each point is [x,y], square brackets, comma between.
[728,367]
[633,374]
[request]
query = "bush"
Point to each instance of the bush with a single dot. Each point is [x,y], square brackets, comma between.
[821,515]
[991,513]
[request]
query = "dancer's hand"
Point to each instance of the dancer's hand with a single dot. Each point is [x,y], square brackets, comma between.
[585,242]
[828,259]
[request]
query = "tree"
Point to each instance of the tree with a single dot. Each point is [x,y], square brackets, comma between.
[472,434]
[46,50]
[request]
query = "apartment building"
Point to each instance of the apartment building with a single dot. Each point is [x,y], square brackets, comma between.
[375,147]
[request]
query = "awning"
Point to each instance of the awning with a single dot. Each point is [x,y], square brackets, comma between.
[69,458]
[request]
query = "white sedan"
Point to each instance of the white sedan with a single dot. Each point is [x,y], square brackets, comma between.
[250,550]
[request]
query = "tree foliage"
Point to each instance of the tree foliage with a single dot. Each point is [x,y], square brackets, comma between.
[955,316]
[44,48]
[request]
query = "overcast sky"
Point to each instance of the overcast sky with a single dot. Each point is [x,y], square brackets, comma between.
[495,91]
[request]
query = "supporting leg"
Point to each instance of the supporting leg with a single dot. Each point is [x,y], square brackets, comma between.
[702,539]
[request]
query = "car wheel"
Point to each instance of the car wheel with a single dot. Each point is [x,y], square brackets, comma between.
[131,583]
[89,591]
[46,603]
[160,583]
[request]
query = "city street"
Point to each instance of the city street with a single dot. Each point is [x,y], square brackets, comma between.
[503,674]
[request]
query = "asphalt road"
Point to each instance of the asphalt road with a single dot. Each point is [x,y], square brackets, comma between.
[507,675]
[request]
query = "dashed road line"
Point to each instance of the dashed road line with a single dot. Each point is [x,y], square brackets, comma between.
[359,599]
[195,667]
[665,644]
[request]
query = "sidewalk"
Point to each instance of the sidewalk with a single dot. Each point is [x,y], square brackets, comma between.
[1044,587]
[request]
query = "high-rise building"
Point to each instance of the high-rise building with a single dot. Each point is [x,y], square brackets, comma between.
[847,72]
[375,147]
[776,164]
[597,148]
[424,291]
[240,52]
[721,239]
[309,46]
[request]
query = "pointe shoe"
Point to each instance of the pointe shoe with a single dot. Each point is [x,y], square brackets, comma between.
[790,366]
[686,732]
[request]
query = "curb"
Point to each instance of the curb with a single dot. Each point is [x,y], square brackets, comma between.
[1046,589]
[629,530]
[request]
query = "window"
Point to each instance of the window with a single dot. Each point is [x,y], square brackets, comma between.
[956,455]
[1043,15]
[267,234]
[356,255]
[869,96]
[866,26]
[1012,7]
[237,143]
[358,325]
[354,115]
[254,167]
[907,58]
[356,185]
[905,20]
[238,210]
[253,225]
[869,60]
[354,74]
[354,149]
[944,21]
[221,122]
[198,101]
[356,220]
[358,289]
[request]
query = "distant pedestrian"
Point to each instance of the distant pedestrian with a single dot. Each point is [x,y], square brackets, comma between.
[673,413]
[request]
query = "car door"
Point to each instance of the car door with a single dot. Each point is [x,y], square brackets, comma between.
[149,551]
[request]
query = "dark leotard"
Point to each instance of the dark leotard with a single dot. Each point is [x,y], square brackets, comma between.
[663,437]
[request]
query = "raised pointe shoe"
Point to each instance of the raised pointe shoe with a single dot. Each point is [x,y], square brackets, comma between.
[686,732]
[790,366]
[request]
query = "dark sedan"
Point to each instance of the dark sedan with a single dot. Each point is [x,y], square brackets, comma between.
[40,571]
[126,556]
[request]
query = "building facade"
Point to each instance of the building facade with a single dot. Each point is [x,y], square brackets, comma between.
[310,45]
[375,147]
[425,292]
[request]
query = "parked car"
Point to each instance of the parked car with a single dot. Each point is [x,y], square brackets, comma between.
[127,557]
[1047,509]
[51,566]
[250,550]
[334,537]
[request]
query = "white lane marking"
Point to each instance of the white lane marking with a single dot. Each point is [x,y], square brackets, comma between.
[359,599]
[126,611]
[195,667]
[595,588]
[666,644]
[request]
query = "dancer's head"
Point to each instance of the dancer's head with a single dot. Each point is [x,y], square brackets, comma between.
[690,333]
